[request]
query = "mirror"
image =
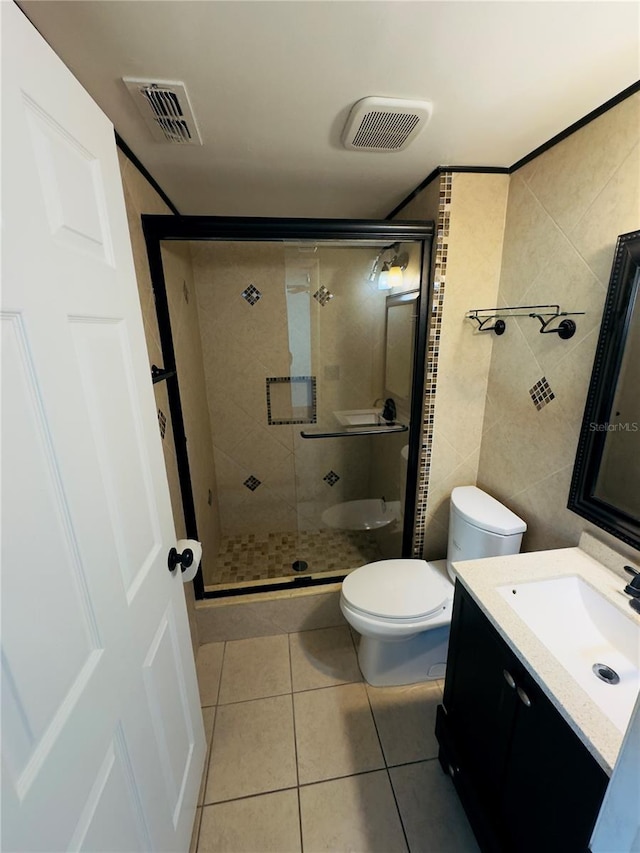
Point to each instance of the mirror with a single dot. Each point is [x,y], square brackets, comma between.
[605,488]
[401,318]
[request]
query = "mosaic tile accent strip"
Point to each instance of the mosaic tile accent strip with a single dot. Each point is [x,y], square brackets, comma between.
[322,295]
[294,407]
[162,421]
[331,478]
[251,294]
[258,557]
[441,248]
[541,393]
[252,483]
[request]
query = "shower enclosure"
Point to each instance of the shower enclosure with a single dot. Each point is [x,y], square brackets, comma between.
[309,337]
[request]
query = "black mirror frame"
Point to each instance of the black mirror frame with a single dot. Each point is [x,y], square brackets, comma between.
[624,287]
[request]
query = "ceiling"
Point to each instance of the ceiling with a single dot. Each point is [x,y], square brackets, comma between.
[272,84]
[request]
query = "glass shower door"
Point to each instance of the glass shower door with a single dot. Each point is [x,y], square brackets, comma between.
[350,458]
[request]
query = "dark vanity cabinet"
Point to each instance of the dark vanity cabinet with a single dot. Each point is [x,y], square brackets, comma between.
[525,779]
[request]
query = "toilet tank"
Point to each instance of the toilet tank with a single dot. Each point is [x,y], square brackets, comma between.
[480,526]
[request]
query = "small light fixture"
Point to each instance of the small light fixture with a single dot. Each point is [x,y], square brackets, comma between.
[383,278]
[392,271]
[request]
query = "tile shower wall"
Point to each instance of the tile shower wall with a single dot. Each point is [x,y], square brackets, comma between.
[564,213]
[140,197]
[469,213]
[183,311]
[246,293]
[470,258]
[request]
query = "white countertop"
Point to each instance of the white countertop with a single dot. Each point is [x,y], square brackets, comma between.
[482,577]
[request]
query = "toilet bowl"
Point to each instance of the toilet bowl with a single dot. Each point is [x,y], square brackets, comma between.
[402,610]
[402,607]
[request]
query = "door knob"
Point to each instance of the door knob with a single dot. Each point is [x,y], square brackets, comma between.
[184,560]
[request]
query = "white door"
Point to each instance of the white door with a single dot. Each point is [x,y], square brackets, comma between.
[102,740]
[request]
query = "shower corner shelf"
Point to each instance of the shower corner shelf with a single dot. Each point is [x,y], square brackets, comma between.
[493,319]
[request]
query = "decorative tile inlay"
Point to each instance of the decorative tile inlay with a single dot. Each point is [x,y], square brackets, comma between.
[441,249]
[252,483]
[331,478]
[322,295]
[162,420]
[541,393]
[291,400]
[251,294]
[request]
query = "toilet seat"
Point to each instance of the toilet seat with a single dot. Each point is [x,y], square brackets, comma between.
[397,591]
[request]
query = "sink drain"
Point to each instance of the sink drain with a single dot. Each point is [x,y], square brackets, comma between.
[605,673]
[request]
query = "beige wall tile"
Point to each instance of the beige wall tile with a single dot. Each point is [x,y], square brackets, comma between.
[572,173]
[530,237]
[474,249]
[284,614]
[243,345]
[619,202]
[185,329]
[140,197]
[563,218]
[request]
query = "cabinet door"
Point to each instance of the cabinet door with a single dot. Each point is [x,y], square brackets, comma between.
[553,787]
[479,703]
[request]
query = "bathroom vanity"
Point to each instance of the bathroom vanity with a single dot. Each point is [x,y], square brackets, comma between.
[529,750]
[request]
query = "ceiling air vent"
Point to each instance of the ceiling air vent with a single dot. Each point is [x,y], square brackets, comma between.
[385,124]
[166,109]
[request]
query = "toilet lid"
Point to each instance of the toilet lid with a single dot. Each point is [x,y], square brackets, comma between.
[396,589]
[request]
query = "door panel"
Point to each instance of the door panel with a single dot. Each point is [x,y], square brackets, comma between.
[86,514]
[102,354]
[169,709]
[112,817]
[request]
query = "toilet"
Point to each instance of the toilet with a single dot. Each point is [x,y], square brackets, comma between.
[402,607]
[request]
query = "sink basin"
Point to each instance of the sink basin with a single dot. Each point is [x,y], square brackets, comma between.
[581,628]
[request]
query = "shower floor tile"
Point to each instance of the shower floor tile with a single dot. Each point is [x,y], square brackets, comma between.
[253,557]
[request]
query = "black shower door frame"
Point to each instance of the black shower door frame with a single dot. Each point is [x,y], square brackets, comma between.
[159,228]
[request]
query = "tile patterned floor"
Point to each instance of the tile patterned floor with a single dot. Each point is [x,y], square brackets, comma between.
[304,756]
[254,557]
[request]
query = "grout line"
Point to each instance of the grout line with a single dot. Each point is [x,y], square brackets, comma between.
[198,821]
[327,686]
[295,743]
[209,753]
[252,699]
[224,651]
[375,725]
[395,799]
[250,796]
[345,776]
[208,757]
